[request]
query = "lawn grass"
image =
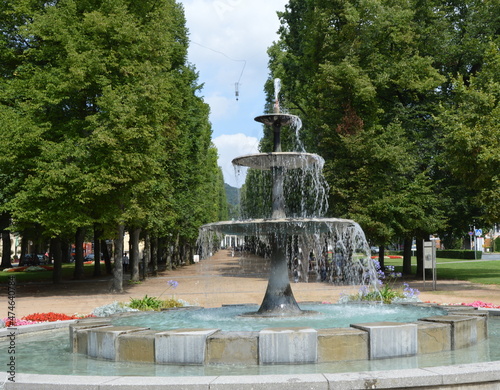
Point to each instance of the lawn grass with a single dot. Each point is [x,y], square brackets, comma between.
[46,276]
[483,272]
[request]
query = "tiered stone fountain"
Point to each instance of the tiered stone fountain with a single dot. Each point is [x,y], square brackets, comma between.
[314,234]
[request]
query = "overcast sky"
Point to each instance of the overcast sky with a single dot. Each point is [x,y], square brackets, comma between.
[229,41]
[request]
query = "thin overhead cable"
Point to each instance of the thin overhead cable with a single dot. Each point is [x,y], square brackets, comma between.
[237,83]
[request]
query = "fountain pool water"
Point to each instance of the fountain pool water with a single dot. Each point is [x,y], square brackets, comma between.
[229,318]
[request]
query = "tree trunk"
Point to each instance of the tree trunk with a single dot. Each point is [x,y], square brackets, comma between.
[97,251]
[56,253]
[154,256]
[79,273]
[4,224]
[65,252]
[24,247]
[407,256]
[420,255]
[381,257]
[117,286]
[6,263]
[169,250]
[107,257]
[191,255]
[146,255]
[175,253]
[134,253]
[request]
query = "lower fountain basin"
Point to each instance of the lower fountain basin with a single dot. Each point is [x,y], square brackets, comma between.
[36,368]
[278,342]
[261,227]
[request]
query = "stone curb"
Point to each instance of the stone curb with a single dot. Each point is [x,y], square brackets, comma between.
[466,376]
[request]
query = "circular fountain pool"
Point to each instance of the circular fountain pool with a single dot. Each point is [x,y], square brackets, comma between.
[228,318]
[222,336]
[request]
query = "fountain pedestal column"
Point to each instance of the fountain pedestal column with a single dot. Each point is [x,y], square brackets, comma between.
[279,299]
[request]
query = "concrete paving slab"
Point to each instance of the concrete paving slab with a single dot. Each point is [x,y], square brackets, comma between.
[267,382]
[469,373]
[397,379]
[160,383]
[56,382]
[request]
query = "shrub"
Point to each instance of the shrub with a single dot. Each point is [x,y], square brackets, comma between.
[458,254]
[153,303]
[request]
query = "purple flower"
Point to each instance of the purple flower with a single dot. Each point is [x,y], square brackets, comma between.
[173,283]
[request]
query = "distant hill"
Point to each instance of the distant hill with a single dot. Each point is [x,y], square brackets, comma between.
[233,200]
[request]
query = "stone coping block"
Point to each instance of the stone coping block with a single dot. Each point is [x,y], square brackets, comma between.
[182,346]
[481,323]
[390,339]
[491,312]
[458,308]
[136,347]
[288,345]
[160,383]
[102,342]
[266,382]
[77,336]
[463,329]
[396,379]
[470,374]
[340,344]
[44,326]
[433,337]
[233,348]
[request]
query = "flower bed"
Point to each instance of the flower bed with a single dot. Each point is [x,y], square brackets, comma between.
[37,318]
[30,268]
[477,304]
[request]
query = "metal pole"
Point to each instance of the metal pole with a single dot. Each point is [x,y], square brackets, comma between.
[475,243]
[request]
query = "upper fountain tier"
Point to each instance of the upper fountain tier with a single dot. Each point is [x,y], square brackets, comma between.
[279,159]
[290,160]
[278,119]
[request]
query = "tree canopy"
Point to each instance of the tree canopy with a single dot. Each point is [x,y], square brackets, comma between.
[401,99]
[102,119]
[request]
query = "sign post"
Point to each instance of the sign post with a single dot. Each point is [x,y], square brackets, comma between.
[430,260]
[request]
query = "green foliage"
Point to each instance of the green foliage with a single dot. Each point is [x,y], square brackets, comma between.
[459,254]
[400,98]
[386,294]
[146,303]
[153,304]
[101,122]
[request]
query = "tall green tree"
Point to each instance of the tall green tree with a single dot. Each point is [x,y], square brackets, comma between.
[472,135]
[358,74]
[115,133]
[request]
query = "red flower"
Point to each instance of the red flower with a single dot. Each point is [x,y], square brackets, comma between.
[49,317]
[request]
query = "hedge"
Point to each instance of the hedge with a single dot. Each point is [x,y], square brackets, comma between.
[458,254]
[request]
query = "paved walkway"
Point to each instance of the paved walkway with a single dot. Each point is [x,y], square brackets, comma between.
[223,279]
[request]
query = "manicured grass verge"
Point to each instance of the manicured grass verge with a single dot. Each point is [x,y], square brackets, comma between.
[46,276]
[483,272]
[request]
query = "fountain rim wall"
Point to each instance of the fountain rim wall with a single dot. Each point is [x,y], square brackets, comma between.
[99,338]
